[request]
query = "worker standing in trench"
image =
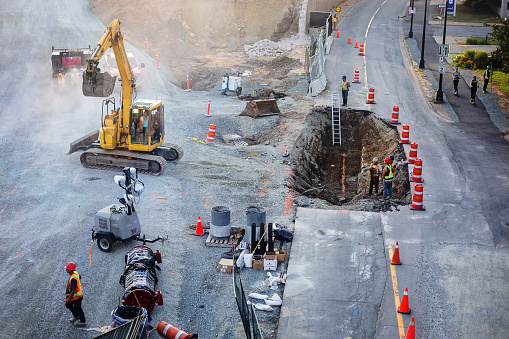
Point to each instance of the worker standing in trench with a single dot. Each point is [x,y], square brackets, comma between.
[74,295]
[374,176]
[387,176]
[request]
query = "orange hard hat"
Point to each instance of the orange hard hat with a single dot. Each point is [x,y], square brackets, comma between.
[70,266]
[387,160]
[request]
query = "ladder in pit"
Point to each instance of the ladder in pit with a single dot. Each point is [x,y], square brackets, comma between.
[336,119]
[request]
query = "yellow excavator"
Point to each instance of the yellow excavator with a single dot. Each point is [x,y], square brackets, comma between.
[131,135]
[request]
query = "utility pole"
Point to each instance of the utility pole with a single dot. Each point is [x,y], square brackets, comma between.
[411,33]
[440,92]
[421,61]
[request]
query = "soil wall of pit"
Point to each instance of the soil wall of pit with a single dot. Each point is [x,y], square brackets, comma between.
[339,173]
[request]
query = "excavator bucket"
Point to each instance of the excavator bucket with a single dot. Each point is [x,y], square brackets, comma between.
[260,108]
[96,84]
[84,142]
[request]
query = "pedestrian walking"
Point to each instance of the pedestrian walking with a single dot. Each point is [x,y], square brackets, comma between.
[487,75]
[345,87]
[473,89]
[455,80]
[374,176]
[74,296]
[387,176]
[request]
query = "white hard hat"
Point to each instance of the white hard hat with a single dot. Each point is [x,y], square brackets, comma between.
[375,159]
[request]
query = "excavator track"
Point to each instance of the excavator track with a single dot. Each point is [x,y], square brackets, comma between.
[171,152]
[116,160]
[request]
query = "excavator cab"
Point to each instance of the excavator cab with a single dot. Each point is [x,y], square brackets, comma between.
[146,123]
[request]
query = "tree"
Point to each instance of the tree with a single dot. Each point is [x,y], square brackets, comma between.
[501,34]
[473,3]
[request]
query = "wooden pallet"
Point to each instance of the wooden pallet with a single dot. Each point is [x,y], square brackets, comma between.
[236,234]
[232,241]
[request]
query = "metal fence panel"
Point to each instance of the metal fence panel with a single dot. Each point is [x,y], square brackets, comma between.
[257,333]
[240,297]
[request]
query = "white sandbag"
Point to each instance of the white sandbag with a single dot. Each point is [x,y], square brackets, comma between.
[262,307]
[258,296]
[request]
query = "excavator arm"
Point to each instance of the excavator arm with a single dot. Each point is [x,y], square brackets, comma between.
[101,84]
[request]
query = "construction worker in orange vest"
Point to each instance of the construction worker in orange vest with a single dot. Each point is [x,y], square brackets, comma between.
[74,296]
[387,176]
[374,176]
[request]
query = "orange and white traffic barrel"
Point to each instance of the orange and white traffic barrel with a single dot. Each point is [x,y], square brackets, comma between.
[371,95]
[405,134]
[417,171]
[412,155]
[417,198]
[395,115]
[361,49]
[356,76]
[211,134]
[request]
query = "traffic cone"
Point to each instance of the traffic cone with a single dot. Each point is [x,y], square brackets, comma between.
[349,40]
[171,332]
[403,307]
[199,227]
[410,333]
[395,257]
[338,33]
[356,44]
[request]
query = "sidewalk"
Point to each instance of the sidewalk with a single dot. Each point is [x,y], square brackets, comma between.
[489,100]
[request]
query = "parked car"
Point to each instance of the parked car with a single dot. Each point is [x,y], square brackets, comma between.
[112,68]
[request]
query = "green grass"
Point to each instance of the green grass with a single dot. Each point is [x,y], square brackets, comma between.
[502,80]
[467,14]
[481,41]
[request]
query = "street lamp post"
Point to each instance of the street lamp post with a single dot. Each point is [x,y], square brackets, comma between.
[411,33]
[421,61]
[440,92]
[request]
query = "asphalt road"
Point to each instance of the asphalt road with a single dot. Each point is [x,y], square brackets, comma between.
[453,252]
[48,200]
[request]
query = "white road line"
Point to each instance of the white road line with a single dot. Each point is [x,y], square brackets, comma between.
[365,50]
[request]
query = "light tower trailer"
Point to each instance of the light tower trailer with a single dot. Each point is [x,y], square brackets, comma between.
[120,223]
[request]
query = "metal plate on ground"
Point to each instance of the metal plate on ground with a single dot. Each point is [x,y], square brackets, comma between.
[234,139]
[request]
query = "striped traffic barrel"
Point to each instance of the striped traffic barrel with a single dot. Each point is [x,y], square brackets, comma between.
[417,171]
[417,198]
[405,134]
[412,155]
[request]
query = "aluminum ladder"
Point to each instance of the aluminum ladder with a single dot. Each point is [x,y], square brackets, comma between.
[336,119]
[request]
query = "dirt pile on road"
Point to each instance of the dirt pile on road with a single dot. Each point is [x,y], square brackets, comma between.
[338,173]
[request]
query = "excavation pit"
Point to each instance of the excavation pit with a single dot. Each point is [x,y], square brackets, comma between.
[339,173]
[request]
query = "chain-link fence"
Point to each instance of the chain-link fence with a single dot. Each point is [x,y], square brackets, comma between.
[315,58]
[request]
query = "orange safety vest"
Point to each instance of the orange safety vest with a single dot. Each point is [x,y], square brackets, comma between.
[374,170]
[394,168]
[79,292]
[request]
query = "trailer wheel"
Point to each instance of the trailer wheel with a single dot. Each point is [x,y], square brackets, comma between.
[105,243]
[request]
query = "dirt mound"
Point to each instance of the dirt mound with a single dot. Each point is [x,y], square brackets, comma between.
[338,173]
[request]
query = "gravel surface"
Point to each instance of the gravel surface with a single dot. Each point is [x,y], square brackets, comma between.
[49,200]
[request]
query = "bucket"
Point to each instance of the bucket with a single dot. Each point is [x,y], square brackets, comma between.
[248,260]
[255,215]
[220,226]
